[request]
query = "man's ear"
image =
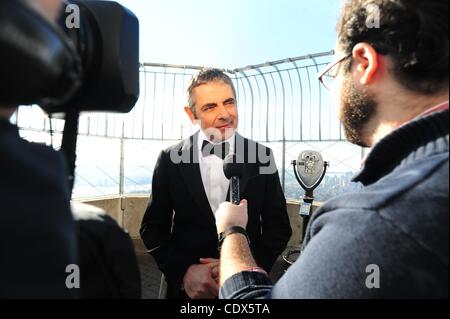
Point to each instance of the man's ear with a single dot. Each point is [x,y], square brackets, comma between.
[365,59]
[191,115]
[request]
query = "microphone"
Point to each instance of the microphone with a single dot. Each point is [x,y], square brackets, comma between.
[234,167]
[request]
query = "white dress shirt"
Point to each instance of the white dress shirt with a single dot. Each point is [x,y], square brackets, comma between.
[211,167]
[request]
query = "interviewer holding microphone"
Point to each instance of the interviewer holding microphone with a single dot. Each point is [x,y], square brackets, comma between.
[390,239]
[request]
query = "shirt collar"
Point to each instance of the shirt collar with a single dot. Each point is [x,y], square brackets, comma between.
[424,137]
[202,137]
[437,108]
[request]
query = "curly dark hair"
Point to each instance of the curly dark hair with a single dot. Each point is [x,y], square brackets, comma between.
[413,32]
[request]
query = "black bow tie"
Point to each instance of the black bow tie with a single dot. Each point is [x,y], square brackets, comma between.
[220,150]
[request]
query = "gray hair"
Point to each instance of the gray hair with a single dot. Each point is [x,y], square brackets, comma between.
[205,76]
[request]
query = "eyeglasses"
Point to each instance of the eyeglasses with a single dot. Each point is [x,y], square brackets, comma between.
[327,76]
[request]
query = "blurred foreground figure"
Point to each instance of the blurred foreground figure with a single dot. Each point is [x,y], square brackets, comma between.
[108,265]
[44,253]
[37,231]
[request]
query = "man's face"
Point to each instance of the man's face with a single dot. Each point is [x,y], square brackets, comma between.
[356,106]
[216,109]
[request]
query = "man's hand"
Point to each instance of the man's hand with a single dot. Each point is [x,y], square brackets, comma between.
[229,215]
[215,271]
[200,281]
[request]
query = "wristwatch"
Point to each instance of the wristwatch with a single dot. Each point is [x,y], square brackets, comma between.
[231,231]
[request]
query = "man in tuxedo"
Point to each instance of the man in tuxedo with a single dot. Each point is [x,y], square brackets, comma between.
[189,184]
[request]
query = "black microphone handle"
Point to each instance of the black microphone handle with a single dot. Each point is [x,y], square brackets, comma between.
[235,192]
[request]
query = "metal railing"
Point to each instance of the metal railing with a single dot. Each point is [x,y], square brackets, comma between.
[281,104]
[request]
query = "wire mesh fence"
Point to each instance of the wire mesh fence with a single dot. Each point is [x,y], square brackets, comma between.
[281,104]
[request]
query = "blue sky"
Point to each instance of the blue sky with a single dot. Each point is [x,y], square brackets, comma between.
[233,33]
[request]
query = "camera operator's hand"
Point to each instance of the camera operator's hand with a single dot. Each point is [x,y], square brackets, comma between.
[229,215]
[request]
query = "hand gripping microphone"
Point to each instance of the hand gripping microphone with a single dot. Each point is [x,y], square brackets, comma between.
[234,167]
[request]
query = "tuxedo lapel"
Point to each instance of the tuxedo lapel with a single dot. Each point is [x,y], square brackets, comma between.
[193,178]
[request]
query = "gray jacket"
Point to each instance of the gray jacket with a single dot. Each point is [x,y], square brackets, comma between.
[389,240]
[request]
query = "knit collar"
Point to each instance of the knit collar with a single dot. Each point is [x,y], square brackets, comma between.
[407,143]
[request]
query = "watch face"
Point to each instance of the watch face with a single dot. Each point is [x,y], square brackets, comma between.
[230,231]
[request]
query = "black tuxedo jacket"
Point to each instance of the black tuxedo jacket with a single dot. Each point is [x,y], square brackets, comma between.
[179,226]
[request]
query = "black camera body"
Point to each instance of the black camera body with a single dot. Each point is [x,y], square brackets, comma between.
[88,61]
[92,66]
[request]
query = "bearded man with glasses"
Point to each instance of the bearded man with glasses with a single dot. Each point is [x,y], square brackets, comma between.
[390,239]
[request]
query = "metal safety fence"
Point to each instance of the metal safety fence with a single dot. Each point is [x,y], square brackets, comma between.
[281,104]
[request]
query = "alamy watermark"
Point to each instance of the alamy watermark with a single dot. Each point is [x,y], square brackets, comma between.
[73,279]
[254,153]
[373,20]
[373,281]
[73,18]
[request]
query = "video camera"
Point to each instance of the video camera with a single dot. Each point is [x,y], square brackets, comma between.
[88,61]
